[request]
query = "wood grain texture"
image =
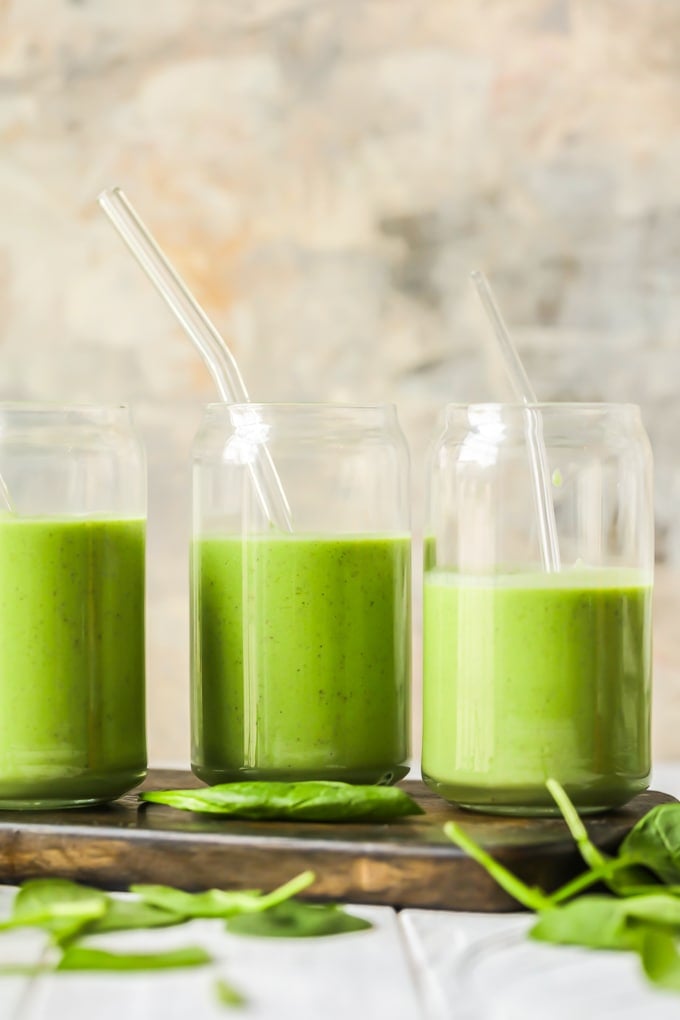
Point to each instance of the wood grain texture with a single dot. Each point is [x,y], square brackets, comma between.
[407,863]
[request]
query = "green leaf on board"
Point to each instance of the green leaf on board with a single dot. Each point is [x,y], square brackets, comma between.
[219,902]
[298,920]
[311,801]
[85,958]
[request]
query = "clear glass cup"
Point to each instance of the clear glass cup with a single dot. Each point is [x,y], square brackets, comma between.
[530,674]
[72,541]
[301,638]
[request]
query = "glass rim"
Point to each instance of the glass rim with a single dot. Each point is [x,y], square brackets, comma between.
[52,407]
[313,414]
[544,405]
[297,405]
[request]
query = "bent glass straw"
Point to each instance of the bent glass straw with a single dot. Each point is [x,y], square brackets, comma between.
[219,360]
[538,458]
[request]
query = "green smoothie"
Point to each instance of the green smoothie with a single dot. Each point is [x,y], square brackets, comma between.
[534,676]
[301,657]
[72,719]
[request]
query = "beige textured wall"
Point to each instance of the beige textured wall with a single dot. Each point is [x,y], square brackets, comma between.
[325,173]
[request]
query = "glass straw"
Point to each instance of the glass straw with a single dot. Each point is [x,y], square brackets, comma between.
[202,332]
[5,500]
[538,458]
[6,505]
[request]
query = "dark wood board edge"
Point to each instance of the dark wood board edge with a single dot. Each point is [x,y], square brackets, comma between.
[416,879]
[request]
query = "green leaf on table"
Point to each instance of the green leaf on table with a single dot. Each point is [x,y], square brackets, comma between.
[597,922]
[185,905]
[660,959]
[56,905]
[654,842]
[227,995]
[643,915]
[657,908]
[85,958]
[605,922]
[219,902]
[130,915]
[297,920]
[310,801]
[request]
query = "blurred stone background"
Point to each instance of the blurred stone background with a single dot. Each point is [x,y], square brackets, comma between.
[325,173]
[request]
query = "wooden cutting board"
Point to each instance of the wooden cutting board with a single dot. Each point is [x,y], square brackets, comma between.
[408,863]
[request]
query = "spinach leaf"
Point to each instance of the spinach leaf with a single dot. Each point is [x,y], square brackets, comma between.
[657,908]
[129,915]
[609,874]
[643,916]
[219,902]
[84,958]
[589,852]
[56,905]
[593,921]
[631,880]
[604,922]
[311,801]
[212,903]
[654,842]
[227,995]
[620,874]
[660,960]
[297,920]
[534,899]
[67,910]
[287,890]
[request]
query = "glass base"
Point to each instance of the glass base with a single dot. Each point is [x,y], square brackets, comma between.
[534,801]
[531,810]
[55,792]
[369,776]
